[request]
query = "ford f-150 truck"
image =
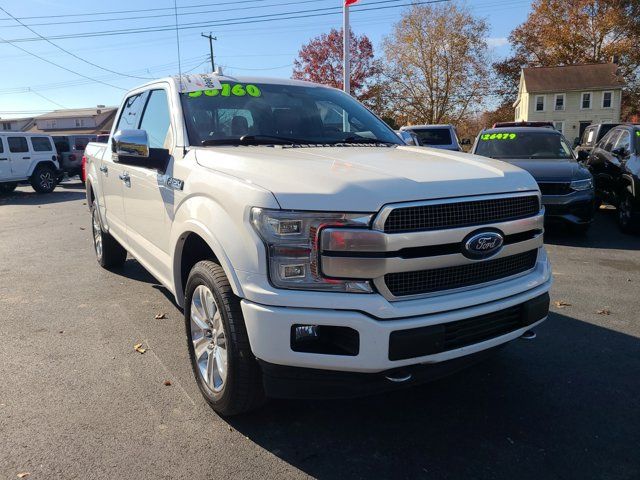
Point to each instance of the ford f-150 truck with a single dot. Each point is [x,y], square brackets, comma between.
[312,252]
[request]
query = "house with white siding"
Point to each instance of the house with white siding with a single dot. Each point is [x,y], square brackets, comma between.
[15,124]
[572,97]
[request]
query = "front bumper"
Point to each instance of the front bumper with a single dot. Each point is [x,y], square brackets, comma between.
[577,208]
[270,334]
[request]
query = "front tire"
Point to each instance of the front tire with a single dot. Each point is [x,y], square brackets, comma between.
[7,187]
[627,215]
[43,179]
[109,252]
[226,371]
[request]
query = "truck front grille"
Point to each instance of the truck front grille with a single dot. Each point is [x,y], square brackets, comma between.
[460,214]
[448,278]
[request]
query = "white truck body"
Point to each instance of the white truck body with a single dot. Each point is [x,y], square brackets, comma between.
[211,192]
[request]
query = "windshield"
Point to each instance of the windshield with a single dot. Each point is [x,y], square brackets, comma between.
[515,145]
[268,113]
[433,136]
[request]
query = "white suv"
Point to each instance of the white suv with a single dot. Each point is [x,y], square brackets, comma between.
[313,252]
[28,157]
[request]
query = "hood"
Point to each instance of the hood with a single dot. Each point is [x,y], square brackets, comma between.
[363,179]
[556,170]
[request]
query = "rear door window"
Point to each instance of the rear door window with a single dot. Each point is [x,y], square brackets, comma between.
[434,136]
[40,144]
[1,145]
[18,145]
[131,112]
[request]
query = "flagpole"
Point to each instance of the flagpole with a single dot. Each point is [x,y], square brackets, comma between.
[346,52]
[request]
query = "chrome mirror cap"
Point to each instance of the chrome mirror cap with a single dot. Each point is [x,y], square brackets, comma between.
[132,143]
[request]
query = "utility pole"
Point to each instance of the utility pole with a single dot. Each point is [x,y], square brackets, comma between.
[211,39]
[346,69]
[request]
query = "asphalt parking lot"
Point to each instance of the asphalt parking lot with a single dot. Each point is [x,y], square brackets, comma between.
[76,400]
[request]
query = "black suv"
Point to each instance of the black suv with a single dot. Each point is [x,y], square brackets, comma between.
[615,165]
[566,186]
[592,135]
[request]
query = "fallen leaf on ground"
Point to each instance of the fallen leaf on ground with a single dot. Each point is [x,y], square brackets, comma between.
[161,316]
[562,304]
[167,383]
[604,311]
[23,475]
[82,228]
[138,348]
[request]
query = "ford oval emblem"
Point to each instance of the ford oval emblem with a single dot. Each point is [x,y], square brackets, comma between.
[482,244]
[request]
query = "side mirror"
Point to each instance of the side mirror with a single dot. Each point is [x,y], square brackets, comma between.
[130,143]
[582,156]
[620,152]
[465,141]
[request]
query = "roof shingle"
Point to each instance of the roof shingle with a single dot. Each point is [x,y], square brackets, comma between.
[572,77]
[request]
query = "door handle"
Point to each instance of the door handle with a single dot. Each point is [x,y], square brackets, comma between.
[3,159]
[124,177]
[104,169]
[26,158]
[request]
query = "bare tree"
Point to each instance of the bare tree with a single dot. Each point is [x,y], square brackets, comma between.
[438,62]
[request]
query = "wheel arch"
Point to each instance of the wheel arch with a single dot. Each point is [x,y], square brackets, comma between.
[194,244]
[37,164]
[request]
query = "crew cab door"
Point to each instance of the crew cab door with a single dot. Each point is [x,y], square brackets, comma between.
[19,157]
[112,172]
[5,163]
[148,202]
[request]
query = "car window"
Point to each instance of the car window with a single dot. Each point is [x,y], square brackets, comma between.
[433,136]
[130,116]
[41,144]
[62,144]
[156,119]
[589,136]
[623,141]
[80,143]
[18,144]
[1,145]
[609,140]
[604,129]
[543,144]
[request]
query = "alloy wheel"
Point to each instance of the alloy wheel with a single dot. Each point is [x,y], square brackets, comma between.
[209,339]
[46,180]
[97,233]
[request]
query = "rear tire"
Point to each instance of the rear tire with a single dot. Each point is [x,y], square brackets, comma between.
[109,252]
[7,187]
[43,179]
[226,371]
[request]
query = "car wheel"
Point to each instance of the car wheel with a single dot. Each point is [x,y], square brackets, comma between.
[226,371]
[43,179]
[626,214]
[109,252]
[7,187]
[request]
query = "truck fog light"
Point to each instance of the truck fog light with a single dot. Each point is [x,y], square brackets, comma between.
[292,271]
[305,332]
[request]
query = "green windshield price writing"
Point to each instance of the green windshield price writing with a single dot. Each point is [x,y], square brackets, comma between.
[228,90]
[637,134]
[498,136]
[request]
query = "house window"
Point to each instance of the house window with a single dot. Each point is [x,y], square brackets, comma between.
[540,103]
[79,122]
[585,102]
[559,103]
[559,126]
[6,125]
[607,99]
[51,124]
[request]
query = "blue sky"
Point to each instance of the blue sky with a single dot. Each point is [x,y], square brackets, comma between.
[265,49]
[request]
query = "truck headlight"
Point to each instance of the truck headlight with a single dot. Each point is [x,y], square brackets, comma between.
[292,242]
[580,185]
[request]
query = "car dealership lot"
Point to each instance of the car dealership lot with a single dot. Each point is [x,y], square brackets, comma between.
[78,402]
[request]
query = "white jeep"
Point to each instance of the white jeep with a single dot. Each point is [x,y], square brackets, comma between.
[313,253]
[28,157]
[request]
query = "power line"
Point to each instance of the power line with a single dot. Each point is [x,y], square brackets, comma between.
[71,53]
[234,21]
[2,40]
[46,98]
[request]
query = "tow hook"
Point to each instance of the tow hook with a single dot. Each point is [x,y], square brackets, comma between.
[528,335]
[399,376]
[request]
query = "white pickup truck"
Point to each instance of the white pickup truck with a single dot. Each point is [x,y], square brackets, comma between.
[313,253]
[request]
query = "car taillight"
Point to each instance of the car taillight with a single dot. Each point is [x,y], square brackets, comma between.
[84,169]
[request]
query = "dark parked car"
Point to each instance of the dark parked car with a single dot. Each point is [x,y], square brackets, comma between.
[567,186]
[435,136]
[615,165]
[592,135]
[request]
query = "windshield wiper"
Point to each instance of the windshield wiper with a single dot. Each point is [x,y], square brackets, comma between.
[364,140]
